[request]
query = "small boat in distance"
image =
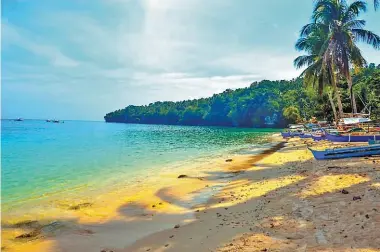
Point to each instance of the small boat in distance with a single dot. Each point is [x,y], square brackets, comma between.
[54,121]
[19,120]
[348,152]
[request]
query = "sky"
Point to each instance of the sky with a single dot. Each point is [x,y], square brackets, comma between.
[79,59]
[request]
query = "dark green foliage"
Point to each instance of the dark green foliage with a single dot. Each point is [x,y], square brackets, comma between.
[367,86]
[292,114]
[248,107]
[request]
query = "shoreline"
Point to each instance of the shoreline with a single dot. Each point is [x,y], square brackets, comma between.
[281,199]
[154,198]
[287,201]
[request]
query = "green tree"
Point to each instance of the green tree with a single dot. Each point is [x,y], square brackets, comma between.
[292,113]
[344,31]
[317,73]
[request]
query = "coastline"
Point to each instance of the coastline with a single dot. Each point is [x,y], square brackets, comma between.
[47,227]
[286,201]
[279,200]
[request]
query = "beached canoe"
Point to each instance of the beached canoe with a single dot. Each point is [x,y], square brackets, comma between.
[351,138]
[291,134]
[348,152]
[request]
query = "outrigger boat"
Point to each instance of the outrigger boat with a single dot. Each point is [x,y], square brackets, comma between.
[348,152]
[351,138]
[293,130]
[319,135]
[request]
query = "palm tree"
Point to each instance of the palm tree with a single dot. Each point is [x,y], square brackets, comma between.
[318,73]
[344,30]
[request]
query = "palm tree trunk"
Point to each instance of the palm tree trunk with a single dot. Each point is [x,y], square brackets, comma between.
[337,95]
[352,96]
[329,93]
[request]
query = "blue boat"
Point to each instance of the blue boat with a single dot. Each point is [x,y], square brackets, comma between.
[351,138]
[285,134]
[291,134]
[318,137]
[348,152]
[305,135]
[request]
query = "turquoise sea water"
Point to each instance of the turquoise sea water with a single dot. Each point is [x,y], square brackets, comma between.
[40,159]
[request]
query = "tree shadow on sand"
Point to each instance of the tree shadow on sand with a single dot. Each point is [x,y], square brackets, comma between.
[293,213]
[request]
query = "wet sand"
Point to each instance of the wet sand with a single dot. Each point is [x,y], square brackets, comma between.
[281,200]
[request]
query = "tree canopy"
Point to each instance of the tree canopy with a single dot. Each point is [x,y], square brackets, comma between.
[262,104]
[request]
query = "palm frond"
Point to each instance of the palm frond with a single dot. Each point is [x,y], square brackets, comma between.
[367,37]
[312,70]
[353,10]
[354,24]
[325,10]
[304,60]
[357,7]
[307,29]
[357,57]
[302,44]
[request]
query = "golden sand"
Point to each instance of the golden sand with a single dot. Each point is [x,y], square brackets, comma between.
[278,201]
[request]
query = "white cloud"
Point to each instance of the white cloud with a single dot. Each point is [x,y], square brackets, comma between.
[137,52]
[265,64]
[16,36]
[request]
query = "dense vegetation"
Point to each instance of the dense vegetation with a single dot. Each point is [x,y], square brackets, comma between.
[258,105]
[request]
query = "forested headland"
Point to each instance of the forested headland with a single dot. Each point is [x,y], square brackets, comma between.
[336,80]
[262,104]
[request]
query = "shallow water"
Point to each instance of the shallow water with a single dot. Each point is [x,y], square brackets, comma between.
[41,160]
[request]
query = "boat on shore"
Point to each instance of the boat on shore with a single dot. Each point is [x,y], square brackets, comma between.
[318,137]
[351,137]
[306,135]
[347,152]
[293,130]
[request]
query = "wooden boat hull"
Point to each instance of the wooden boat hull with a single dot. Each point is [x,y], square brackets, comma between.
[362,151]
[350,138]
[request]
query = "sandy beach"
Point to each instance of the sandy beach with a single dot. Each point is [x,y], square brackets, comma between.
[280,200]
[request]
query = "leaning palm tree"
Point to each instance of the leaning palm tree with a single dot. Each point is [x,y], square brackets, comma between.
[340,48]
[317,72]
[321,78]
